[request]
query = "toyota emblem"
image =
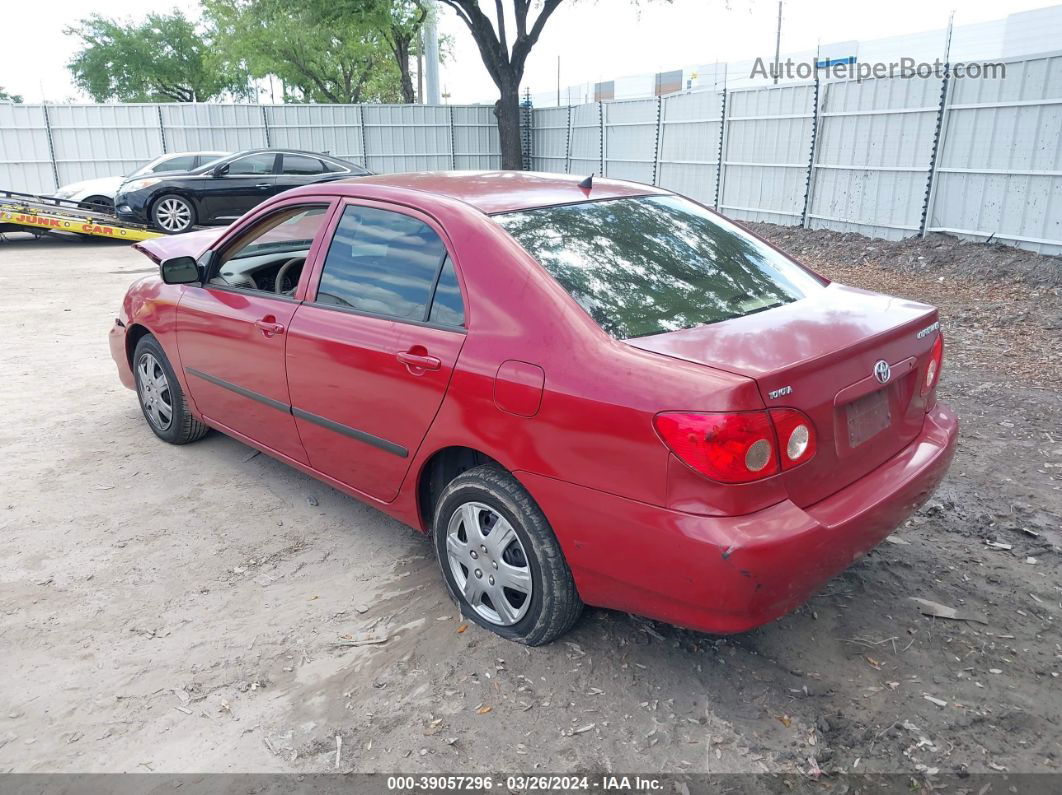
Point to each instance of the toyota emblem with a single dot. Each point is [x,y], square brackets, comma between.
[882,372]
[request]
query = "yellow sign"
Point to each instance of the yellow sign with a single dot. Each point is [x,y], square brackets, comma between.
[56,222]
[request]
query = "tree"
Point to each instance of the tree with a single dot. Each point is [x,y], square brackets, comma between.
[504,64]
[5,97]
[164,58]
[398,22]
[323,56]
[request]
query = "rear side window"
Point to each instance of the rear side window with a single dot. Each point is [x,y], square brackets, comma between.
[447,309]
[182,163]
[300,164]
[648,265]
[382,263]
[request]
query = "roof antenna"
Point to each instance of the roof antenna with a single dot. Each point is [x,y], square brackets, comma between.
[587,183]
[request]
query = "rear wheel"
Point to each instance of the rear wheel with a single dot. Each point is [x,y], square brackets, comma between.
[500,559]
[161,398]
[173,214]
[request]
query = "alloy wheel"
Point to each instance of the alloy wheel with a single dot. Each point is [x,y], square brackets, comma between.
[488,563]
[154,390]
[173,215]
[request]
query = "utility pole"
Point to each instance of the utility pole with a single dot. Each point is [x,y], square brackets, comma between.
[778,45]
[420,75]
[558,81]
[431,54]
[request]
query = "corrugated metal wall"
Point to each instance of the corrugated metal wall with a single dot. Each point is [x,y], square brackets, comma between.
[881,157]
[690,139]
[1000,168]
[872,155]
[45,146]
[888,157]
[766,149]
[549,139]
[628,126]
[584,149]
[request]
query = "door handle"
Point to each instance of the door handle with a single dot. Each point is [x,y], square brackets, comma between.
[417,361]
[268,327]
[262,185]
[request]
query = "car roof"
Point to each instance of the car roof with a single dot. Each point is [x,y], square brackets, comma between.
[503,191]
[273,150]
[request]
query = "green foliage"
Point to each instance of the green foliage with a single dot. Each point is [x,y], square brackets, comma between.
[320,55]
[398,22]
[162,59]
[5,97]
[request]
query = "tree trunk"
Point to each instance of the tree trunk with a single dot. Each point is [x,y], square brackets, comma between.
[400,48]
[507,109]
[409,96]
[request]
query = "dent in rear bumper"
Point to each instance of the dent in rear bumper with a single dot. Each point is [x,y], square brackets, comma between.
[730,574]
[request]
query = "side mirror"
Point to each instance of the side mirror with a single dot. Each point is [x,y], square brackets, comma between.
[180,270]
[220,171]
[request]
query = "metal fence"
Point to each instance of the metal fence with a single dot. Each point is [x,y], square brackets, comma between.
[890,157]
[45,146]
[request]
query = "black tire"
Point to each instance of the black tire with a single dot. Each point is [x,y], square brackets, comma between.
[100,203]
[182,427]
[554,602]
[161,219]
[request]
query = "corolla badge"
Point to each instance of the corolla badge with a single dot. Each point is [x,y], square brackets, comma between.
[882,372]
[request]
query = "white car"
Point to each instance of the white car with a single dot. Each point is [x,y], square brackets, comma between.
[100,192]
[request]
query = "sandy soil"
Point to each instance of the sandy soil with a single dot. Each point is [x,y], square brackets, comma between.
[177,609]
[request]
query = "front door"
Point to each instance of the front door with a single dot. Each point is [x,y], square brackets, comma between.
[231,333]
[369,358]
[246,183]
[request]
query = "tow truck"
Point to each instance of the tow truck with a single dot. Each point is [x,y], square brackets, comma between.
[26,212]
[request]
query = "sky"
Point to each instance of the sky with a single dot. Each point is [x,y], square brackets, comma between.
[595,39]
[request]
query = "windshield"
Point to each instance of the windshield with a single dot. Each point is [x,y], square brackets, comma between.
[649,265]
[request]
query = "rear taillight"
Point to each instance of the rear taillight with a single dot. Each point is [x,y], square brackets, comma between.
[936,361]
[796,436]
[739,447]
[732,448]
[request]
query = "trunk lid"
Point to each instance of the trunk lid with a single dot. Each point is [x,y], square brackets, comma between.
[190,244]
[819,355]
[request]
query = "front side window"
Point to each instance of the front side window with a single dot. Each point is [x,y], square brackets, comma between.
[649,265]
[271,255]
[382,263]
[252,164]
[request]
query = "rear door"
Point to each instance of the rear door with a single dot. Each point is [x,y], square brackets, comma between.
[231,333]
[247,182]
[371,351]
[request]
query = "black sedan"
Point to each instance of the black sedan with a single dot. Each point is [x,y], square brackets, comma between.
[222,191]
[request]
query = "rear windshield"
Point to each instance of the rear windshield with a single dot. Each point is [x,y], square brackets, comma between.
[649,265]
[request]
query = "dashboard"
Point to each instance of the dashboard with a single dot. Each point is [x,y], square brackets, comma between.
[271,273]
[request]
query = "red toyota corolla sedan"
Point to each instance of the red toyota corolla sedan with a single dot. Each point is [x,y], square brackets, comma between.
[604,395]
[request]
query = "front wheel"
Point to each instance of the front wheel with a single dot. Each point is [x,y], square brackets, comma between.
[500,559]
[161,398]
[173,214]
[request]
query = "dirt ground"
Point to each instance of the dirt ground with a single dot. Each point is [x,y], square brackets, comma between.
[177,609]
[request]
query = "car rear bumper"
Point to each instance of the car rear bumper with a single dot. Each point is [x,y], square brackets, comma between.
[116,339]
[731,574]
